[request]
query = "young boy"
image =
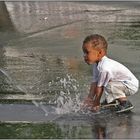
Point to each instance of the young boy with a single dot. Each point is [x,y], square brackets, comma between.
[109,76]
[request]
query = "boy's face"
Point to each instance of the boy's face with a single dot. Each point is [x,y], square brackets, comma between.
[91,54]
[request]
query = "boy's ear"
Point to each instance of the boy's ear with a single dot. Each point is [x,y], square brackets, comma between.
[100,51]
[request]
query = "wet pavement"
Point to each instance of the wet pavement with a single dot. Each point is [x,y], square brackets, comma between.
[42,67]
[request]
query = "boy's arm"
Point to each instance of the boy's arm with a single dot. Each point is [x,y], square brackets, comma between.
[89,99]
[94,96]
[92,90]
[97,97]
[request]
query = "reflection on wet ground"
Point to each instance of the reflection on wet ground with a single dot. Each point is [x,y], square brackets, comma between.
[75,126]
[41,66]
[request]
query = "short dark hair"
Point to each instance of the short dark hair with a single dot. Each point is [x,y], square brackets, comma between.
[96,40]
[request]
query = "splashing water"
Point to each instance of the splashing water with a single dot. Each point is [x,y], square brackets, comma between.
[68,102]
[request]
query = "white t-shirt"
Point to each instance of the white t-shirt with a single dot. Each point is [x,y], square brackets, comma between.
[110,70]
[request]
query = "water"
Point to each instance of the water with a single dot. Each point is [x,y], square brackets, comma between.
[43,77]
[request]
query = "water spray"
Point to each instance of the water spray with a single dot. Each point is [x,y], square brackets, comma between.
[23,90]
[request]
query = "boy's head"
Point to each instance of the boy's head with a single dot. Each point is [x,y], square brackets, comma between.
[94,48]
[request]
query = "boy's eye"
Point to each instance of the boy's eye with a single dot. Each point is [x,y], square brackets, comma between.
[85,52]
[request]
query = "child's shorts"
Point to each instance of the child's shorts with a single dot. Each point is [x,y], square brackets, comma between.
[115,90]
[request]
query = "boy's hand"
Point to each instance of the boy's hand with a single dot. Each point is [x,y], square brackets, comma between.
[95,108]
[90,104]
[87,103]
